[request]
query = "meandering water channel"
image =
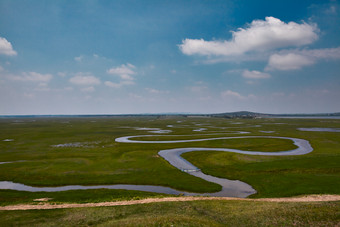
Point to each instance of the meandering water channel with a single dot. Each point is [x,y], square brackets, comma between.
[230,188]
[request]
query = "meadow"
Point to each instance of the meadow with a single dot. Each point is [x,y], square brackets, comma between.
[82,151]
[197,213]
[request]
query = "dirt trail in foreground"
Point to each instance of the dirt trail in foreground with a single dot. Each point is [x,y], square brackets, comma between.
[45,206]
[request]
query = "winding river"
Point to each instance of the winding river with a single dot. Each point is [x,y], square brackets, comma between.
[230,188]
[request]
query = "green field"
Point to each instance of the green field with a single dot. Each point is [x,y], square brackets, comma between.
[198,213]
[99,160]
[88,155]
[94,158]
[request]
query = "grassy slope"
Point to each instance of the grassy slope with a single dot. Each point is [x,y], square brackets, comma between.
[198,213]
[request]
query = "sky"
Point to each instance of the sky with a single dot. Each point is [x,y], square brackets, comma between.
[148,56]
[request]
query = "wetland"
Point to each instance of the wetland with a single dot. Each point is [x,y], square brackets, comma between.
[47,155]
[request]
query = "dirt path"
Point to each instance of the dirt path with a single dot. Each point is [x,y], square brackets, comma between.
[45,206]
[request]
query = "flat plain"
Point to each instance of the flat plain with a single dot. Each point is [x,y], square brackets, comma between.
[48,152]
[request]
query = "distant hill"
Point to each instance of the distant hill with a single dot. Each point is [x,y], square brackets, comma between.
[239,114]
[247,114]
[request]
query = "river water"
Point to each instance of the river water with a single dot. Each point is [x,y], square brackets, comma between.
[230,188]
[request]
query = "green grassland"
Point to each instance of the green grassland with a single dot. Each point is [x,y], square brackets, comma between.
[100,160]
[197,213]
[11,197]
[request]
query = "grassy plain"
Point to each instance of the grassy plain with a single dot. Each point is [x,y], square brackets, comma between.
[100,160]
[314,173]
[197,213]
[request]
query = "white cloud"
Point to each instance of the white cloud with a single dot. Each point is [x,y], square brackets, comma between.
[79,58]
[125,72]
[111,84]
[153,91]
[156,91]
[33,77]
[296,59]
[326,53]
[289,61]
[255,74]
[126,77]
[118,85]
[232,95]
[122,70]
[84,79]
[6,47]
[260,35]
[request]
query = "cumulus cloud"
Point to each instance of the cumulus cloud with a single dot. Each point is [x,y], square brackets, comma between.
[255,74]
[84,79]
[6,47]
[259,35]
[33,77]
[125,72]
[296,59]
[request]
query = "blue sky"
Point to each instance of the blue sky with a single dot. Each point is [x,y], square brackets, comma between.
[116,57]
